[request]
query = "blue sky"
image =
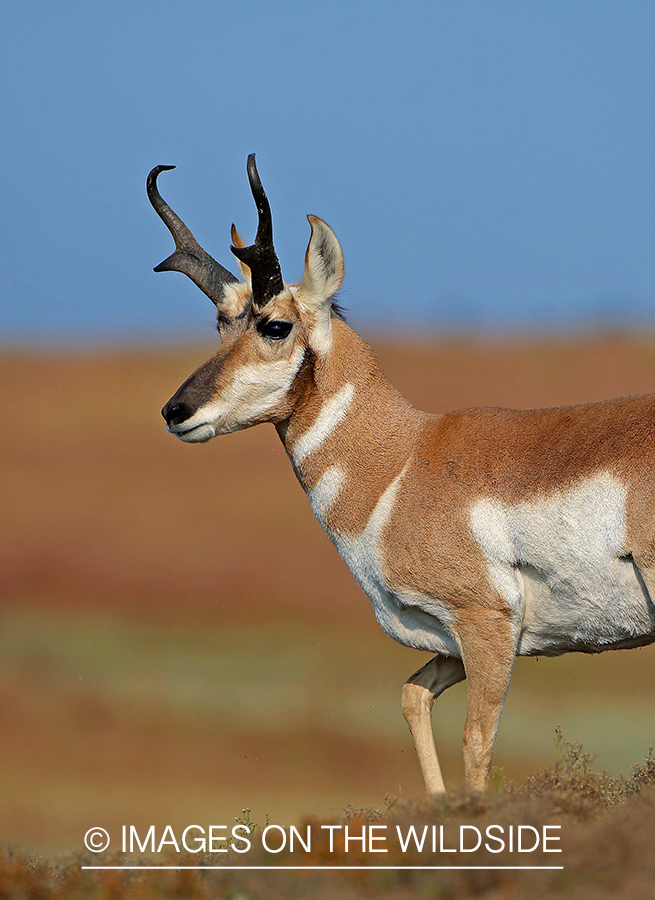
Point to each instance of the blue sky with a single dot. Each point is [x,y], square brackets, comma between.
[486,165]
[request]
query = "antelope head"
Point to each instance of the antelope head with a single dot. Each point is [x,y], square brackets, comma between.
[272,333]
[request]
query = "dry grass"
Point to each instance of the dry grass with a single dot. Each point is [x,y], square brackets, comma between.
[603,824]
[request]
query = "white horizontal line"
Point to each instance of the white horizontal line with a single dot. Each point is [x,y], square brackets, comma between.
[326,868]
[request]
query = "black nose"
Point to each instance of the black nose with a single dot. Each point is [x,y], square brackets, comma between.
[175,413]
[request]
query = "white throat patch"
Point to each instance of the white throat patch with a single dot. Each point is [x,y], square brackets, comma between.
[332,413]
[325,492]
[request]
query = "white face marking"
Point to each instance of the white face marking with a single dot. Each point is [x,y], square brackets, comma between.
[332,412]
[557,561]
[326,490]
[253,391]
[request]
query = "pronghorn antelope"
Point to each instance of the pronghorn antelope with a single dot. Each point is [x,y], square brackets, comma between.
[478,535]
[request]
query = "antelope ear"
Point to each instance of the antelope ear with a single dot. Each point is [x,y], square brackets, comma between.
[323,265]
[238,241]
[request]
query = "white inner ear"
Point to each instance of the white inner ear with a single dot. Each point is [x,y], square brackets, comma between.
[323,264]
[321,279]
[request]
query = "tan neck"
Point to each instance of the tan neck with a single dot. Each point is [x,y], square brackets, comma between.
[351,422]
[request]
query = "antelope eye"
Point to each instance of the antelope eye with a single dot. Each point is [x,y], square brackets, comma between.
[275,329]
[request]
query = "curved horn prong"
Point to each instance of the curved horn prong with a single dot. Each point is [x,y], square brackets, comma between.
[261,257]
[188,257]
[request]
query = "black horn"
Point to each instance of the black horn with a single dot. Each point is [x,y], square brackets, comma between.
[188,257]
[261,257]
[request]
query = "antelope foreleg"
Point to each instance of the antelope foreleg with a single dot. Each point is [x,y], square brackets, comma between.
[419,693]
[488,653]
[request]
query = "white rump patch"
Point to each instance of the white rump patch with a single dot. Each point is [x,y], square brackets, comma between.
[331,414]
[559,561]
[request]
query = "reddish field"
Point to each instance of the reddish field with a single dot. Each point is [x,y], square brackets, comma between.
[180,640]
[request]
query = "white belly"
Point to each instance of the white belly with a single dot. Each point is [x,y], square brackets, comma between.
[560,617]
[560,563]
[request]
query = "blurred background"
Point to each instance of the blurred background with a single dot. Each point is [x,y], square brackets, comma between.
[178,639]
